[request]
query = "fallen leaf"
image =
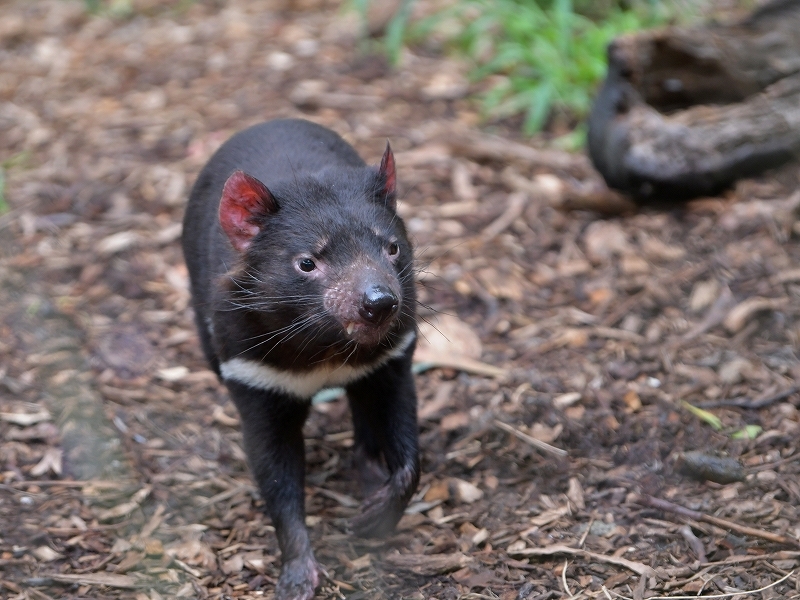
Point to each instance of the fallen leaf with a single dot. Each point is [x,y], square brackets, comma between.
[46,554]
[447,334]
[51,461]
[449,342]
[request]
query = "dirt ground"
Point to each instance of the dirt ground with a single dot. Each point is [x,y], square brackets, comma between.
[121,468]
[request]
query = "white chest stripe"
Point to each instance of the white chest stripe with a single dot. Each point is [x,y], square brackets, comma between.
[304,384]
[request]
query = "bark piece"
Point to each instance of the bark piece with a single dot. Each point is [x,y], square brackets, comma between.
[685,112]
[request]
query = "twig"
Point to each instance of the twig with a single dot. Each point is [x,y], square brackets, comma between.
[688,273]
[543,446]
[762,402]
[478,146]
[695,544]
[564,579]
[7,562]
[710,596]
[230,493]
[715,315]
[636,567]
[647,500]
[492,305]
[40,594]
[586,533]
[516,205]
[75,484]
[97,566]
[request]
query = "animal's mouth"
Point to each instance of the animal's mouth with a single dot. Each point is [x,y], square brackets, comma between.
[366,334]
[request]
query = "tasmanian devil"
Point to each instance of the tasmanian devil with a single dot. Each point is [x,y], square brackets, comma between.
[302,278]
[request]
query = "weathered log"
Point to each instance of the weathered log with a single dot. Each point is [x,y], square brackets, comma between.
[685,112]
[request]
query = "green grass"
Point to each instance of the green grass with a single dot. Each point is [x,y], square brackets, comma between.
[21,159]
[112,8]
[4,207]
[396,30]
[125,9]
[545,59]
[541,59]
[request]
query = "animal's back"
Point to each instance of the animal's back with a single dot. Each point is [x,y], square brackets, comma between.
[276,150]
[272,152]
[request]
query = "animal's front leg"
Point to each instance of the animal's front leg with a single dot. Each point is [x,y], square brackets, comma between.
[384,407]
[273,439]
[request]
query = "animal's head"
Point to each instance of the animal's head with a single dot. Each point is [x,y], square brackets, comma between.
[328,252]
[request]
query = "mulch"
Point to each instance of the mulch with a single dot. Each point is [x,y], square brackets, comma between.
[618,419]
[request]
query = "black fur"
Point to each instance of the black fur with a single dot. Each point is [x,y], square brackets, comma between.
[255,305]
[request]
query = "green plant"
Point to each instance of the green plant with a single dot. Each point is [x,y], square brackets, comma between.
[124,9]
[396,30]
[710,418]
[4,208]
[20,159]
[113,8]
[544,57]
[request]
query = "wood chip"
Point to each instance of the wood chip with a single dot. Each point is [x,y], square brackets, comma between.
[428,564]
[97,579]
[741,314]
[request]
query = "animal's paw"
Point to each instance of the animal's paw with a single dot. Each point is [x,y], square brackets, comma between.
[381,511]
[379,514]
[299,579]
[372,473]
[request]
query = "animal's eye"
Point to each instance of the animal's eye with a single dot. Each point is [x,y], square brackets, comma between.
[393,249]
[306,265]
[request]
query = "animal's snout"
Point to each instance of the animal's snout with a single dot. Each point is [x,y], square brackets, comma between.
[378,305]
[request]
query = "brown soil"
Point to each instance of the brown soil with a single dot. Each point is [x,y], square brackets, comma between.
[122,473]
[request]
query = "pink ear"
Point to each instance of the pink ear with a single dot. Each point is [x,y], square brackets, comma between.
[387,172]
[244,204]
